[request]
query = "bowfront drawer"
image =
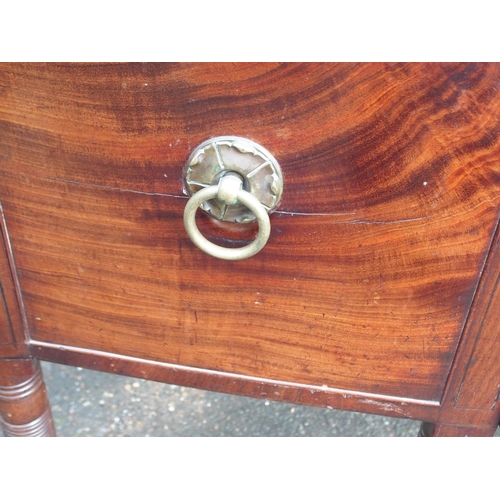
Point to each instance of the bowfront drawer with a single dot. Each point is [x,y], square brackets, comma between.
[389,205]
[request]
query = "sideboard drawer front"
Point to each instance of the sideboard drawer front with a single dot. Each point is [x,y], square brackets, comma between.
[358,306]
[390,202]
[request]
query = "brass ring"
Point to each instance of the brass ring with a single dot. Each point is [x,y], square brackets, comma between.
[214,250]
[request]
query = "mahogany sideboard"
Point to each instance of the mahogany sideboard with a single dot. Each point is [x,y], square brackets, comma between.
[377,290]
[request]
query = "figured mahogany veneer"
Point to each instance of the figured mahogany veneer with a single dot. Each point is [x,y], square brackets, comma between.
[377,290]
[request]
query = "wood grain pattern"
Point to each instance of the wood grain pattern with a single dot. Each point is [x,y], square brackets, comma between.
[290,392]
[389,208]
[24,408]
[131,288]
[480,387]
[472,392]
[12,329]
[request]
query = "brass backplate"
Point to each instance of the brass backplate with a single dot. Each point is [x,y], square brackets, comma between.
[258,168]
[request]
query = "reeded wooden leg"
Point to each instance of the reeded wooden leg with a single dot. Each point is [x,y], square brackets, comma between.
[438,430]
[24,407]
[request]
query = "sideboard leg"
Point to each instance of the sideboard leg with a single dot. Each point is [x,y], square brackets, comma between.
[439,430]
[24,407]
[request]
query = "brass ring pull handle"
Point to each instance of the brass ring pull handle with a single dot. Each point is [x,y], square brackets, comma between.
[229,191]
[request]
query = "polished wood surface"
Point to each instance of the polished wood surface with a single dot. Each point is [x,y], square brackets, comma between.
[24,408]
[390,205]
[13,331]
[473,387]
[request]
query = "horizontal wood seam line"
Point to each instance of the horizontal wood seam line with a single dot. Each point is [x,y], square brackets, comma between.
[317,388]
[282,212]
[112,188]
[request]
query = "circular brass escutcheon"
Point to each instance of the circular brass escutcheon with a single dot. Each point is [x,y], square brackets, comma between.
[259,170]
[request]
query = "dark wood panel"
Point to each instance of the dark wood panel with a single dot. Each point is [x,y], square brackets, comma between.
[380,141]
[475,381]
[6,331]
[370,307]
[12,331]
[390,203]
[311,395]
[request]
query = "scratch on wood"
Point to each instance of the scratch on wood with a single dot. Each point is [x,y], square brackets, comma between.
[381,222]
[350,221]
[398,221]
[385,406]
[113,188]
[315,214]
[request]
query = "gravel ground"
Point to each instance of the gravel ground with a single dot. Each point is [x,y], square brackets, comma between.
[89,403]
